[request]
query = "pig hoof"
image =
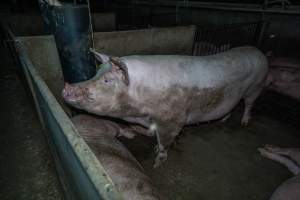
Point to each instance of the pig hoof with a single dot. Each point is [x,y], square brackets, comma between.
[261,150]
[160,158]
[264,152]
[176,142]
[245,122]
[267,154]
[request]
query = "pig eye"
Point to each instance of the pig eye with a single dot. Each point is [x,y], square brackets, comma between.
[107,81]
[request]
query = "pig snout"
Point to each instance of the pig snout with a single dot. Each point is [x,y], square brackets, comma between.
[74,94]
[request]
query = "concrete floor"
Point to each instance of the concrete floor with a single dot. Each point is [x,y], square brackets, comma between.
[27,170]
[220,160]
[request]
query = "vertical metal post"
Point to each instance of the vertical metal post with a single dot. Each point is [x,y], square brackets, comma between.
[260,33]
[70,24]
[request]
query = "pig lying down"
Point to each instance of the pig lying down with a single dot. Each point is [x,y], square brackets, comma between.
[124,170]
[166,92]
[289,157]
[284,76]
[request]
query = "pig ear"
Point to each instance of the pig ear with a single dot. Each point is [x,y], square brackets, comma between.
[118,65]
[100,57]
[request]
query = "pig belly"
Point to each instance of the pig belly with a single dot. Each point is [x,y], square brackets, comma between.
[231,98]
[220,111]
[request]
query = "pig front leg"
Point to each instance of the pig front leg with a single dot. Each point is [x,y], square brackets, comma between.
[165,134]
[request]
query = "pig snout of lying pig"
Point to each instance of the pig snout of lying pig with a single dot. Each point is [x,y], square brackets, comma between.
[289,157]
[284,76]
[124,170]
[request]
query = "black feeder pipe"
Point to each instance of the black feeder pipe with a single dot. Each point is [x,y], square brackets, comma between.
[71,27]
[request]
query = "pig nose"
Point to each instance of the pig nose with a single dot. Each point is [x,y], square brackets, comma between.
[73,93]
[67,91]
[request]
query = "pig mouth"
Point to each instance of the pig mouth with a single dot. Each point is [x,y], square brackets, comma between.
[75,94]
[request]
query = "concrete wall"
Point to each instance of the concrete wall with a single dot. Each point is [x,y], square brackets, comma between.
[174,40]
[104,21]
[24,24]
[47,63]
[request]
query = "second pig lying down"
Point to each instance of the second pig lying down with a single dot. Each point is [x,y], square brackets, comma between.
[284,76]
[124,170]
[289,157]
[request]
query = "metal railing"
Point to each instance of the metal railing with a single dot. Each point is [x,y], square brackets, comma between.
[210,41]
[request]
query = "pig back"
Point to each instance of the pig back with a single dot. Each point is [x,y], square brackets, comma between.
[125,171]
[196,71]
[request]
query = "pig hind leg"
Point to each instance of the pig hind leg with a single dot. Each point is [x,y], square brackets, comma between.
[249,100]
[290,164]
[165,137]
[293,153]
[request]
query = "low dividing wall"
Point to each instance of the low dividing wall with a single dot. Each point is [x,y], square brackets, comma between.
[174,40]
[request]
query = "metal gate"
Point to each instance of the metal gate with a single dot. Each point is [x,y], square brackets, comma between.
[215,40]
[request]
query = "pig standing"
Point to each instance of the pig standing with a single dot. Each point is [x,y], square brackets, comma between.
[290,157]
[124,170]
[165,92]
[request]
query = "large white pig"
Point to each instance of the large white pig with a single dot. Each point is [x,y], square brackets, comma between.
[166,92]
